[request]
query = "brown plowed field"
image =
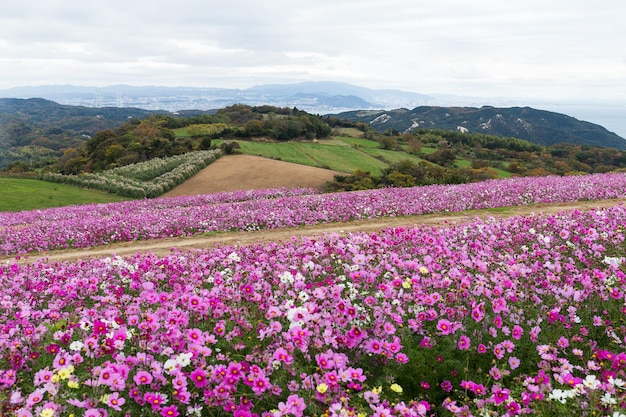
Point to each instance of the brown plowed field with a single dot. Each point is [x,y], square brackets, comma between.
[235,172]
[248,172]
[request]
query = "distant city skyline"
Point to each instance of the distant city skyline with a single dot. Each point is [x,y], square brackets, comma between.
[562,50]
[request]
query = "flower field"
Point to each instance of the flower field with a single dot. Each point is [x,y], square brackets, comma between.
[517,316]
[85,226]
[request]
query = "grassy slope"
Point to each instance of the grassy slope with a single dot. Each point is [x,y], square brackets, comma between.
[28,194]
[335,154]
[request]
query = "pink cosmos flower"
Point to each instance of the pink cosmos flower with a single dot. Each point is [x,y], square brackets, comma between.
[261,385]
[514,362]
[499,351]
[115,401]
[199,377]
[464,343]
[495,373]
[444,326]
[281,354]
[42,376]
[294,405]
[382,411]
[513,408]
[478,312]
[373,346]
[155,399]
[478,389]
[170,411]
[562,342]
[143,378]
[99,327]
[500,395]
[499,305]
[402,358]
[35,397]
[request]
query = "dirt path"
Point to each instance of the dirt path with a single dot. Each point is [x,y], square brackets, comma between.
[164,246]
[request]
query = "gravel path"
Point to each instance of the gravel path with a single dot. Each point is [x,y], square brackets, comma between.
[164,246]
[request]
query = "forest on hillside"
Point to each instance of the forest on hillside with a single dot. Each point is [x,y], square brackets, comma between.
[458,157]
[139,140]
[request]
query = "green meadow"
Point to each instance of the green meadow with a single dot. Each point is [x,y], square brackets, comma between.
[28,194]
[344,154]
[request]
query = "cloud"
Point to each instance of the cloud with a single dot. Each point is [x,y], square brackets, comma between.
[531,48]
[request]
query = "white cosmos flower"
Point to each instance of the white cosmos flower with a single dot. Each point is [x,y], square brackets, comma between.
[591,382]
[76,345]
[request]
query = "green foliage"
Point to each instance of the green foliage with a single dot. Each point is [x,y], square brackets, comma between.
[408,173]
[133,142]
[51,128]
[443,157]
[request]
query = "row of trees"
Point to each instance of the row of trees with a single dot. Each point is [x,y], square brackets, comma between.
[133,142]
[409,174]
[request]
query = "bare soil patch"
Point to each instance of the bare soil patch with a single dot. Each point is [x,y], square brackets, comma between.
[248,172]
[162,247]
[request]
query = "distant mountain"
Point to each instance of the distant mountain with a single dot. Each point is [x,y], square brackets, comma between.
[313,97]
[38,110]
[22,119]
[340,98]
[538,126]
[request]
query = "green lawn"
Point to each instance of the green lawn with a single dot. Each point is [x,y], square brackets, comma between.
[181,132]
[331,154]
[502,173]
[363,143]
[463,163]
[28,194]
[342,158]
[392,157]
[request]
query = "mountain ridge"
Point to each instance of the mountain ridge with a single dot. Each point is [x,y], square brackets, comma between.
[316,97]
[537,126]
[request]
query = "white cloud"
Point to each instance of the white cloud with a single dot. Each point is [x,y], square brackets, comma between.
[562,48]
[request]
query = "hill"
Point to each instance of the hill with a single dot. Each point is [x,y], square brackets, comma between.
[37,129]
[537,126]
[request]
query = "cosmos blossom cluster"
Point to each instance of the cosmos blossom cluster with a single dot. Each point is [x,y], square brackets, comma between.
[85,226]
[498,317]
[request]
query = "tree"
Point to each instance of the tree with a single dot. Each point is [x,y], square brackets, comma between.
[205,143]
[398,179]
[389,143]
[113,153]
[415,146]
[443,157]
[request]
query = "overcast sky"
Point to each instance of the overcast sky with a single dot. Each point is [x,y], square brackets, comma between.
[537,49]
